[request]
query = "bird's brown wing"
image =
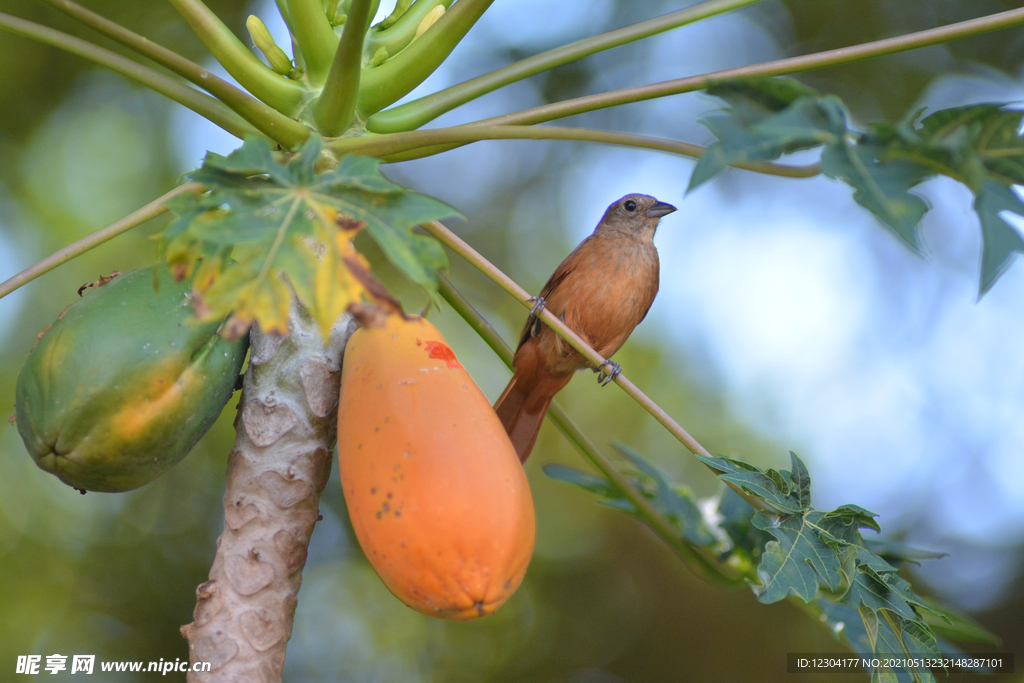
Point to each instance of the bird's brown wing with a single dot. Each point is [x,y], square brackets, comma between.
[564,269]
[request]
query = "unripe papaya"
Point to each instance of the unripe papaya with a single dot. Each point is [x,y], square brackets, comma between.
[435,491]
[123,385]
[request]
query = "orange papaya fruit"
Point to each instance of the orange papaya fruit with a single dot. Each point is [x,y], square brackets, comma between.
[436,494]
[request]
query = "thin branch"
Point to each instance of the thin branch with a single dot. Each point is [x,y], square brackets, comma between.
[283,94]
[200,103]
[703,558]
[132,220]
[456,244]
[336,107]
[275,125]
[412,115]
[791,65]
[474,258]
[396,147]
[315,37]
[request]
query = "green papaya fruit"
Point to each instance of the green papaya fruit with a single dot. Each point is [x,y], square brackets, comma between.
[123,384]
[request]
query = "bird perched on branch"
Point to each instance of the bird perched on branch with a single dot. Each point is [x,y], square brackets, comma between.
[602,290]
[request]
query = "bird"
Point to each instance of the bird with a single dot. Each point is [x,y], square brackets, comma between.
[601,291]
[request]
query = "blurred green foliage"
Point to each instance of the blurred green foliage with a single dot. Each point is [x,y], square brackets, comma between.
[604,601]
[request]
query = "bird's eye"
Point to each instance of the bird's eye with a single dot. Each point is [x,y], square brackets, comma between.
[630,205]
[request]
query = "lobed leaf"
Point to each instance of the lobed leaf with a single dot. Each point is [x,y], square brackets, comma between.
[271,225]
[979,145]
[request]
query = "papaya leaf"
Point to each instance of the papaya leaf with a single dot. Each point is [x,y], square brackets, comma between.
[798,560]
[881,187]
[674,503]
[756,130]
[1000,240]
[788,549]
[784,491]
[978,145]
[896,553]
[271,225]
[950,623]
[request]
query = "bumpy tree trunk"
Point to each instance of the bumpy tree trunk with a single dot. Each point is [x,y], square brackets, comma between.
[278,467]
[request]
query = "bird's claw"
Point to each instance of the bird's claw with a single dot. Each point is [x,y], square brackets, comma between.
[539,303]
[615,371]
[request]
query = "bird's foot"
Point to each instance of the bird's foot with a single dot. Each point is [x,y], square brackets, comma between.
[610,375]
[539,303]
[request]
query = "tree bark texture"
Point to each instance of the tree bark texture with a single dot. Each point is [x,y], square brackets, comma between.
[278,467]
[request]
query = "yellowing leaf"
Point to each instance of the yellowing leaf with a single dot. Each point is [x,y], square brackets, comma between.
[268,229]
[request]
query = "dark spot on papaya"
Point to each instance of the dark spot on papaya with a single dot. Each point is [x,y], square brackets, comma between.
[387,419]
[389,495]
[385,507]
[398,513]
[403,544]
[373,490]
[396,467]
[479,607]
[508,585]
[376,429]
[378,517]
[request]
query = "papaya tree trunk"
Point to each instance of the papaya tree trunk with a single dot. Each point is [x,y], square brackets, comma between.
[278,467]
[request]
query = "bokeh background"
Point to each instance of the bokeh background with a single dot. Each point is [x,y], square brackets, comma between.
[788,320]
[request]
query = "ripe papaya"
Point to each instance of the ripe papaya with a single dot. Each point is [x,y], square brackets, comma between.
[436,495]
[123,385]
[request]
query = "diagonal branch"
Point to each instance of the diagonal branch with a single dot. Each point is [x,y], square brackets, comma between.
[703,558]
[275,125]
[456,244]
[202,104]
[412,115]
[471,255]
[132,220]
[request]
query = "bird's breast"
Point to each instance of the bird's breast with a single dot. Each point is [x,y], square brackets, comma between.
[616,295]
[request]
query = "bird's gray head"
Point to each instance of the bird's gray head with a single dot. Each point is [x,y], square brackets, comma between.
[635,213]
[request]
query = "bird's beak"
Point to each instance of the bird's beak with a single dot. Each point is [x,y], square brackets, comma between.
[660,209]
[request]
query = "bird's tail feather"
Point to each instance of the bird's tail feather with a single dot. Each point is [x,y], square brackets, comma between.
[522,406]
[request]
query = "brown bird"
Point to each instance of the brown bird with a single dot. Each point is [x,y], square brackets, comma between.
[602,290]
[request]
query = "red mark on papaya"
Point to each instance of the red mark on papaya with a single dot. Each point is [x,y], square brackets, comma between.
[443,352]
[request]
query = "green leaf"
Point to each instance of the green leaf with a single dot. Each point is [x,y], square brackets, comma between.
[971,144]
[675,504]
[881,187]
[761,96]
[800,558]
[955,625]
[752,133]
[287,222]
[896,553]
[1000,240]
[777,488]
[979,145]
